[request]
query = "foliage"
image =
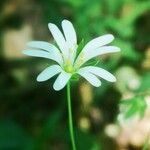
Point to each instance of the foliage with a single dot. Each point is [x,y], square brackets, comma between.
[134,106]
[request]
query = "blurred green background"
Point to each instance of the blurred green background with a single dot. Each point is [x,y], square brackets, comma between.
[113,117]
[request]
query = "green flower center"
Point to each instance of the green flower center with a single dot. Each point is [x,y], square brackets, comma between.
[68,67]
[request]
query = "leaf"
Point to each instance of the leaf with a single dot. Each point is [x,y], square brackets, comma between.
[135,106]
[145,84]
[132,110]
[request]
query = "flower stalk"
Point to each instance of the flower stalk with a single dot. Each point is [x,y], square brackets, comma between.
[70,117]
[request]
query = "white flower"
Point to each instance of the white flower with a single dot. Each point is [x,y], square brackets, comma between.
[65,55]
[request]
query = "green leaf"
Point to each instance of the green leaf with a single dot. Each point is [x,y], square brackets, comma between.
[135,106]
[145,84]
[132,110]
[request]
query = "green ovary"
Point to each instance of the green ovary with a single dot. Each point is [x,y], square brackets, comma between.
[68,67]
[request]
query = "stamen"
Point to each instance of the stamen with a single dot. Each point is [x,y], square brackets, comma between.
[68,62]
[70,50]
[80,61]
[82,56]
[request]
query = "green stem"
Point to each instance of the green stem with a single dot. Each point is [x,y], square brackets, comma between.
[70,117]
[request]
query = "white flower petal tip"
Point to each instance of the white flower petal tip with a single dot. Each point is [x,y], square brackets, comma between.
[92,79]
[66,21]
[51,25]
[25,52]
[98,42]
[40,45]
[61,81]
[69,33]
[107,38]
[48,73]
[35,53]
[113,79]
[53,28]
[59,38]
[117,49]
[102,73]
[110,36]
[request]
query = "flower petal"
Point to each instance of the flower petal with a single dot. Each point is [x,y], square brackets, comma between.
[36,53]
[43,54]
[69,33]
[49,72]
[99,72]
[100,51]
[71,39]
[59,38]
[47,47]
[98,42]
[42,45]
[90,77]
[61,80]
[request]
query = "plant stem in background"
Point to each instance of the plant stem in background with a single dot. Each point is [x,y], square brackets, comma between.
[70,117]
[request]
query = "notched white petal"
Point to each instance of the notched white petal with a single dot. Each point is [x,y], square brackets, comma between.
[44,54]
[53,50]
[102,73]
[97,52]
[61,80]
[69,33]
[59,38]
[102,50]
[92,79]
[49,72]
[42,45]
[98,42]
[36,53]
